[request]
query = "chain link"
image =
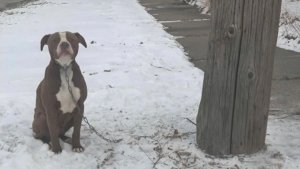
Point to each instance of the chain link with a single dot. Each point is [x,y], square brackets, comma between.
[81,113]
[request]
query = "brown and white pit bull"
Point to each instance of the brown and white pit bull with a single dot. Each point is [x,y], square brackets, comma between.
[55,111]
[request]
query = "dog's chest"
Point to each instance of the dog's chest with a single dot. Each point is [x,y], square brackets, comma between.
[67,104]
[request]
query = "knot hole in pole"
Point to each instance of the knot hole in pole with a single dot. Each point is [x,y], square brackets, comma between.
[231,31]
[250,75]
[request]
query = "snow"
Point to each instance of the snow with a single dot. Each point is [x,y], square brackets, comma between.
[176,21]
[287,43]
[289,30]
[140,83]
[203,5]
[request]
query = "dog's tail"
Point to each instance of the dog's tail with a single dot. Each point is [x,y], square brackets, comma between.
[46,140]
[66,139]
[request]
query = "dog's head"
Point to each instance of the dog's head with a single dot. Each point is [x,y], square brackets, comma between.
[63,46]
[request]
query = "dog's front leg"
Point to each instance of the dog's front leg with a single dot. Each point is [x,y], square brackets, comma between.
[52,119]
[76,133]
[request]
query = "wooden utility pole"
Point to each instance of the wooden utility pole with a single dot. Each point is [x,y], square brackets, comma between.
[233,113]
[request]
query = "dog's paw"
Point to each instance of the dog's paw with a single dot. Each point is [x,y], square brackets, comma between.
[78,150]
[57,151]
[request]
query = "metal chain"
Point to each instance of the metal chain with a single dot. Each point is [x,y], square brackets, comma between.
[81,113]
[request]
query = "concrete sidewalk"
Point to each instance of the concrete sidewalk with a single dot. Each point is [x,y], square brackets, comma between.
[192,30]
[9,4]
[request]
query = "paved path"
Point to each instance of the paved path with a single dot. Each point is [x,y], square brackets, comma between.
[192,29]
[8,4]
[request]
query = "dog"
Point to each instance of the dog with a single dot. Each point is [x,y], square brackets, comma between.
[56,112]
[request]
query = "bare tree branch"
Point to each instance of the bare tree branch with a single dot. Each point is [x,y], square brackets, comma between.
[191,121]
[146,154]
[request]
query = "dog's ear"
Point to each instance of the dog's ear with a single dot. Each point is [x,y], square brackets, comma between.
[81,39]
[44,41]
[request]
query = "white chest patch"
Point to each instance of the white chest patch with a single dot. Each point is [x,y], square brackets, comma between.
[63,96]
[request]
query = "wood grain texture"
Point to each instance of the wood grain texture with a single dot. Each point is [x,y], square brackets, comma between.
[233,113]
[254,75]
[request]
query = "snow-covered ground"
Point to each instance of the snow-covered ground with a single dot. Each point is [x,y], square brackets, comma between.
[289,30]
[140,83]
[203,5]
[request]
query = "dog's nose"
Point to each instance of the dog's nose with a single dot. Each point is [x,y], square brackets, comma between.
[64,45]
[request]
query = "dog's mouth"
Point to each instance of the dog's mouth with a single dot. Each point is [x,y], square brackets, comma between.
[65,53]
